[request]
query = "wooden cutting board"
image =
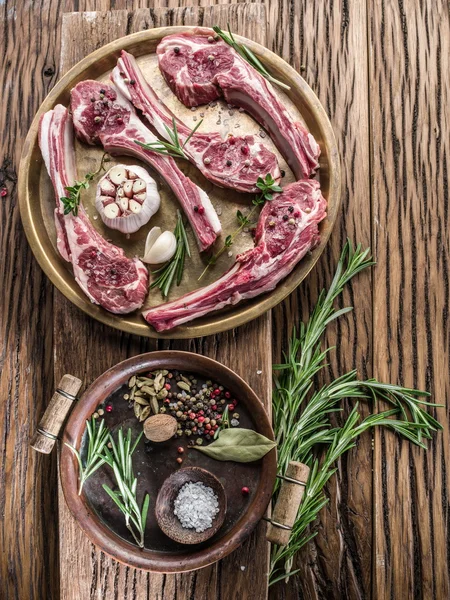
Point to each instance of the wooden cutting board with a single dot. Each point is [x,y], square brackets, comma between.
[86,348]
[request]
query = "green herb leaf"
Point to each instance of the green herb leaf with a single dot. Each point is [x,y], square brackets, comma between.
[173,270]
[245,53]
[71,202]
[173,146]
[239,445]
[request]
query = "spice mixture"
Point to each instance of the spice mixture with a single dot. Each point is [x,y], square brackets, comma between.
[198,407]
[196,506]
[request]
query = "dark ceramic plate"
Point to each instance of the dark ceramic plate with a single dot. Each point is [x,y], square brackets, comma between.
[102,521]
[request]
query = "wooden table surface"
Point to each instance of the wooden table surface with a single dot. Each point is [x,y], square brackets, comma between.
[381,70]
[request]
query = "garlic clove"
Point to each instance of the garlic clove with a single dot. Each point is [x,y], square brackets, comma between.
[139,186]
[107,188]
[132,175]
[134,206]
[162,250]
[128,189]
[140,197]
[123,203]
[111,211]
[152,236]
[105,200]
[117,174]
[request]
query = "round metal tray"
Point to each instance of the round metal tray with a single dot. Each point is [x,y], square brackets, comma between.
[36,196]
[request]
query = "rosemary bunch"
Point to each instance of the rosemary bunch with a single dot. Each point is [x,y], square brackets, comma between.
[340,441]
[267,187]
[245,52]
[119,458]
[71,202]
[173,270]
[97,438]
[173,147]
[302,420]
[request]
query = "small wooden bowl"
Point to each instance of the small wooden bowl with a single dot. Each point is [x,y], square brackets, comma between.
[165,516]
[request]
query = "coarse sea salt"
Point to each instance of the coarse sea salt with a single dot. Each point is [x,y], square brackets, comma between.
[196,506]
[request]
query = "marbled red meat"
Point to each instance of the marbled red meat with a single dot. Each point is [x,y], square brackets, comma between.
[199,71]
[103,116]
[235,162]
[287,229]
[101,269]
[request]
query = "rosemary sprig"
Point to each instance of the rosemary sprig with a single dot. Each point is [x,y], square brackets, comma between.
[71,202]
[97,439]
[245,52]
[125,497]
[173,147]
[267,186]
[173,270]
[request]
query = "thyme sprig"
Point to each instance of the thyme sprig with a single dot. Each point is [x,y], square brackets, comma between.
[173,270]
[245,52]
[267,187]
[97,438]
[119,458]
[174,147]
[302,421]
[71,202]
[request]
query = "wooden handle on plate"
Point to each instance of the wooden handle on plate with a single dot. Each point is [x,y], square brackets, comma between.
[286,508]
[51,423]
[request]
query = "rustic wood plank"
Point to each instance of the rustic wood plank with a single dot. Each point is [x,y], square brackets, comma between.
[410,93]
[100,347]
[326,42]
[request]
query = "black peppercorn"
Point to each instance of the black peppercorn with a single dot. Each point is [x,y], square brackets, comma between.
[195,208]
[229,163]
[291,209]
[176,50]
[283,173]
[102,92]
[285,217]
[132,82]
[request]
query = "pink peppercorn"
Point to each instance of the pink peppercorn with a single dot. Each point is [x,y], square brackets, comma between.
[244,150]
[245,491]
[227,395]
[207,426]
[201,210]
[201,419]
[214,406]
[108,408]
[231,407]
[232,140]
[3,192]
[216,392]
[168,386]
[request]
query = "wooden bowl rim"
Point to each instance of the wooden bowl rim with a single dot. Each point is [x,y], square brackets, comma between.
[98,532]
[219,519]
[55,267]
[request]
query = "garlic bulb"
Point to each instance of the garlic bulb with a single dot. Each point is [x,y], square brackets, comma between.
[159,247]
[127,197]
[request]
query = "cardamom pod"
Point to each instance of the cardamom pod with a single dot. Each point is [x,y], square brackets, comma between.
[142,401]
[184,386]
[155,406]
[159,382]
[144,413]
[137,410]
[132,381]
[162,394]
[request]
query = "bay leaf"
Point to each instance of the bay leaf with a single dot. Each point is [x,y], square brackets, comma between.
[239,445]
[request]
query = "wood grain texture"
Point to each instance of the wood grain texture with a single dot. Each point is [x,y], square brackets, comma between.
[97,575]
[326,42]
[410,94]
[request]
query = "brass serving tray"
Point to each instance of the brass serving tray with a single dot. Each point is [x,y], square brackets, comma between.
[36,196]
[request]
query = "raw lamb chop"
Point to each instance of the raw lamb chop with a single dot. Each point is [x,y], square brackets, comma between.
[103,116]
[101,269]
[287,229]
[200,69]
[235,163]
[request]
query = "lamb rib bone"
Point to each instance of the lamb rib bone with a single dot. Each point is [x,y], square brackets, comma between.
[199,72]
[235,163]
[101,269]
[103,116]
[287,229]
